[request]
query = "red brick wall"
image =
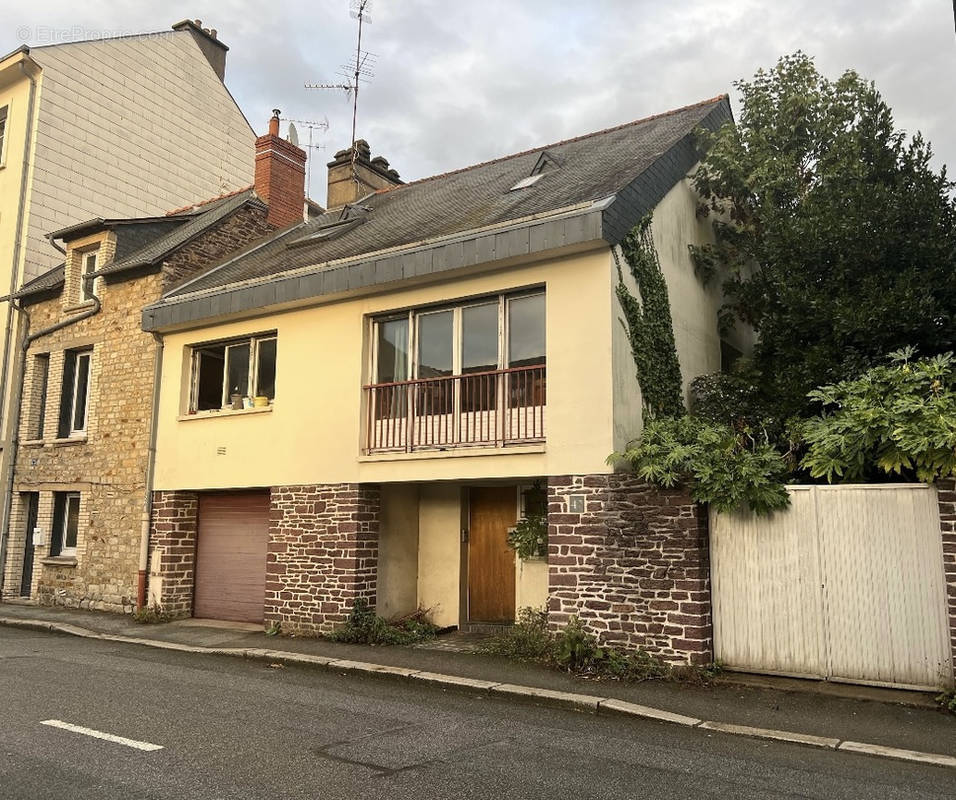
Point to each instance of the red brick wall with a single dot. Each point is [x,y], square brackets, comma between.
[280,179]
[173,528]
[323,554]
[946,494]
[633,565]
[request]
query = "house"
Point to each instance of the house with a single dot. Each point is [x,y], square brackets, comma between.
[119,127]
[77,494]
[362,406]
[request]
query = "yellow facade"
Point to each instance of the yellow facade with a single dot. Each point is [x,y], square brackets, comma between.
[313,432]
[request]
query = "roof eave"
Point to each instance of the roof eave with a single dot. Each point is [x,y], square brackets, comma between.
[578,228]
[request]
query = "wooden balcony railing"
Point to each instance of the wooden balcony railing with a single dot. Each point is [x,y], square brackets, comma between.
[498,408]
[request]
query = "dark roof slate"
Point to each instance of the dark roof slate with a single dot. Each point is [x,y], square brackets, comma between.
[578,171]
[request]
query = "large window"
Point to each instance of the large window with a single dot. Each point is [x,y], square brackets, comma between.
[233,374]
[75,394]
[472,373]
[4,112]
[496,333]
[66,523]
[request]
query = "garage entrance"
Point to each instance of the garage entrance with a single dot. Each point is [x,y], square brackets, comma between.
[231,548]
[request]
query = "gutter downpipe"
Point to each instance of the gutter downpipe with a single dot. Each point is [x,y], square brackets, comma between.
[141,583]
[17,405]
[21,215]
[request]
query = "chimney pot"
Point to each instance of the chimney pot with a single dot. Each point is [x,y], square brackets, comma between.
[197,23]
[214,33]
[274,122]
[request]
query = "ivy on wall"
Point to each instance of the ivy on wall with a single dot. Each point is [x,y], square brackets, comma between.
[648,323]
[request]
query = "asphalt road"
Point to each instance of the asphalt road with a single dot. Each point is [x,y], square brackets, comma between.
[232,729]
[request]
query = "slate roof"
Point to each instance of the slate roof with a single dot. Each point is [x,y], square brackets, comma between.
[196,222]
[144,242]
[576,171]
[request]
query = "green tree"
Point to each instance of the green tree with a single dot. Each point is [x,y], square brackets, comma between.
[896,420]
[839,236]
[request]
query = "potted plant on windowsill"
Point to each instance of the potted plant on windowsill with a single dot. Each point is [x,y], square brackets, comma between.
[529,537]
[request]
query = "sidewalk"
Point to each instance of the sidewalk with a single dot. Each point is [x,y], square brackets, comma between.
[803,707]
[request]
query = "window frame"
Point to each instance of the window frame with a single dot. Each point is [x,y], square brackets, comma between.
[41,373]
[4,133]
[253,341]
[61,520]
[88,289]
[66,426]
[413,315]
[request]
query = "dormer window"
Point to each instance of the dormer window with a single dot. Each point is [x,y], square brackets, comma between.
[88,264]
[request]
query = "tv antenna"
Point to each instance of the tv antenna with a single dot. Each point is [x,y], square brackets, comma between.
[357,71]
[293,136]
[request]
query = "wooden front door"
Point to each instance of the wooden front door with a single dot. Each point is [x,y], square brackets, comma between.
[491,563]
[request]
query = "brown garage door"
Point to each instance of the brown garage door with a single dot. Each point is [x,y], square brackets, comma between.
[231,556]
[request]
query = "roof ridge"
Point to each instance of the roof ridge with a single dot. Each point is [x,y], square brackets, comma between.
[201,203]
[671,112]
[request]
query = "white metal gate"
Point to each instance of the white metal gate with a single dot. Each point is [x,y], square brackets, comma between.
[847,585]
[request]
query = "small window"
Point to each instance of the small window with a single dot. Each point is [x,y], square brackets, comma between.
[87,284]
[66,523]
[41,378]
[4,111]
[233,374]
[74,396]
[524,183]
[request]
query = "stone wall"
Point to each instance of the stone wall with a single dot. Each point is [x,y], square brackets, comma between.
[107,465]
[631,561]
[172,538]
[946,494]
[323,554]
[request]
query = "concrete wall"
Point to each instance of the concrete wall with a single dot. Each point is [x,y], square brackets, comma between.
[439,552]
[398,550]
[312,434]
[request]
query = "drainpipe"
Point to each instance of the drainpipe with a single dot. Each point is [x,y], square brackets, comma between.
[11,453]
[150,468]
[18,238]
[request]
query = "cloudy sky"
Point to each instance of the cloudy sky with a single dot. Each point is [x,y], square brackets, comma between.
[461,81]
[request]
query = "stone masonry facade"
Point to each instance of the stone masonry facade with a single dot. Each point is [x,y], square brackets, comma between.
[631,561]
[946,496]
[174,528]
[322,556]
[107,464]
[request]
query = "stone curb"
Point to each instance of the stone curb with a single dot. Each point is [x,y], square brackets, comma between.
[550,697]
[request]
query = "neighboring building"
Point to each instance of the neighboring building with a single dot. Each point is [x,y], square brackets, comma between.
[362,406]
[82,458]
[116,127]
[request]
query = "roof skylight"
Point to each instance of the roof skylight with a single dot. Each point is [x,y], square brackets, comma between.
[524,183]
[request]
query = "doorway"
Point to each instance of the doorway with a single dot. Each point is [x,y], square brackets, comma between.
[491,563]
[30,502]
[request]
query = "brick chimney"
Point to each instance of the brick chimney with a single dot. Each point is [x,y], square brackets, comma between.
[280,176]
[370,174]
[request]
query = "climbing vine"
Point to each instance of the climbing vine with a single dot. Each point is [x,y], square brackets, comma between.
[648,323]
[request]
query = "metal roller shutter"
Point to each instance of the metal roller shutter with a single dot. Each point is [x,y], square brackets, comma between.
[231,556]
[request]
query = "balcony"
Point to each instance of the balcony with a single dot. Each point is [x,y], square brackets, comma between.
[482,409]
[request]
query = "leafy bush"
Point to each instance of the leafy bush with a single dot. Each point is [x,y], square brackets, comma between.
[898,419]
[947,701]
[722,467]
[527,640]
[574,650]
[364,626]
[152,615]
[529,537]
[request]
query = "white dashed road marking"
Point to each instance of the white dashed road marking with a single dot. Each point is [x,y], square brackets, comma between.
[108,737]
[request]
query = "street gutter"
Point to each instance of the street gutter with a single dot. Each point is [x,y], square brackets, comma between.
[571,700]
